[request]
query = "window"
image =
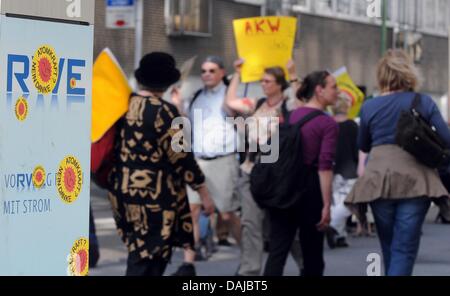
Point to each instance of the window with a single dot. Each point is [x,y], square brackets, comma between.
[302,6]
[434,16]
[324,6]
[407,13]
[429,17]
[349,9]
[344,7]
[442,16]
[361,8]
[188,17]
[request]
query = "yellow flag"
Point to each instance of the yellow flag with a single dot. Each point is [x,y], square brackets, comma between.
[110,94]
[350,90]
[264,42]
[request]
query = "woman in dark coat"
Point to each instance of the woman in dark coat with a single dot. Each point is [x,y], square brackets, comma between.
[148,192]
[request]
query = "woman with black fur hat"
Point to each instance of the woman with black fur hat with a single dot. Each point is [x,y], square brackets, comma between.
[149,193]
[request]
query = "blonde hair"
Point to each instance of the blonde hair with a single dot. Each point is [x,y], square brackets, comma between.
[342,105]
[396,71]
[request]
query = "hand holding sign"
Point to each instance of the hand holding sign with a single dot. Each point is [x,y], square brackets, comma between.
[238,66]
[264,42]
[292,69]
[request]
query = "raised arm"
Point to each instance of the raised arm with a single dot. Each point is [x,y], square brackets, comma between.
[177,100]
[232,101]
[293,77]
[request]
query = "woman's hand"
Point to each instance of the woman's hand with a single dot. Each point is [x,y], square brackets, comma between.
[292,71]
[326,219]
[362,158]
[176,96]
[232,102]
[238,65]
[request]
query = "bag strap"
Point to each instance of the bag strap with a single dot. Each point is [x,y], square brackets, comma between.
[259,103]
[308,118]
[416,103]
[196,95]
[284,110]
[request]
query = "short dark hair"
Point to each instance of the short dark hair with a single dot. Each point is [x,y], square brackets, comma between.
[215,60]
[280,76]
[309,84]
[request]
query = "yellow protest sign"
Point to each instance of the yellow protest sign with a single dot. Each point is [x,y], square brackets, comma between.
[349,89]
[110,94]
[264,42]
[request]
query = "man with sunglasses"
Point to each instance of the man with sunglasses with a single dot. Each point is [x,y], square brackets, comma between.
[215,148]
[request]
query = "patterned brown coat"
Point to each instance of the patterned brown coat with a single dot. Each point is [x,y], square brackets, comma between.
[148,195]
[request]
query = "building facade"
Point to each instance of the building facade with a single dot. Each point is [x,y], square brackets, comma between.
[331,34]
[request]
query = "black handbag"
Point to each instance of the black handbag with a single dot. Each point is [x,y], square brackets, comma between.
[418,137]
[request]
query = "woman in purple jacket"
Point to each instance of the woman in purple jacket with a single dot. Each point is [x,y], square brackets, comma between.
[311,215]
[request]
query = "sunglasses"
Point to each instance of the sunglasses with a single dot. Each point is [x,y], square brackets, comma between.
[266,81]
[211,71]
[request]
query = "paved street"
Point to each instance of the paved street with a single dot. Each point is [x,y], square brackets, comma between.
[434,256]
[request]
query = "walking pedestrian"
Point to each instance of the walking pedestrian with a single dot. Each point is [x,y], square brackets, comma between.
[309,215]
[274,104]
[215,148]
[345,173]
[148,193]
[397,186]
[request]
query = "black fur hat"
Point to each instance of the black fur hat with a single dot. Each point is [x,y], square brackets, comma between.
[157,70]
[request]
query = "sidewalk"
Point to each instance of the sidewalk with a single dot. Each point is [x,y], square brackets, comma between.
[434,255]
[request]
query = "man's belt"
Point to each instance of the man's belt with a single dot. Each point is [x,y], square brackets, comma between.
[214,157]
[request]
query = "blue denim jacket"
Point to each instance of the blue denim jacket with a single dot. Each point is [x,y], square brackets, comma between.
[379,117]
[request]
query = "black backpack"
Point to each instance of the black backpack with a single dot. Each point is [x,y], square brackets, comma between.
[416,136]
[281,184]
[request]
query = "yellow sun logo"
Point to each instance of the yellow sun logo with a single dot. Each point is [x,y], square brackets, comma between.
[79,258]
[44,70]
[21,109]
[38,177]
[69,179]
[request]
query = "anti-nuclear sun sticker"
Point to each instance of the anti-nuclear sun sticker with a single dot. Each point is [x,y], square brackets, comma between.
[73,83]
[44,70]
[79,258]
[38,177]
[69,179]
[21,109]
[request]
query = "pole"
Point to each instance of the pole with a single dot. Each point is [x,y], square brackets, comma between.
[384,28]
[246,90]
[448,91]
[138,32]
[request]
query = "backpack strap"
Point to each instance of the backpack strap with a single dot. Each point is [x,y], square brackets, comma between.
[308,118]
[196,95]
[284,110]
[259,103]
[416,103]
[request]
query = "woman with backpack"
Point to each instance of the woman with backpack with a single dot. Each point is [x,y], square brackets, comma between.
[309,214]
[395,183]
[275,104]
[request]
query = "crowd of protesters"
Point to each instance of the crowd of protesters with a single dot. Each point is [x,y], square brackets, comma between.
[161,195]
